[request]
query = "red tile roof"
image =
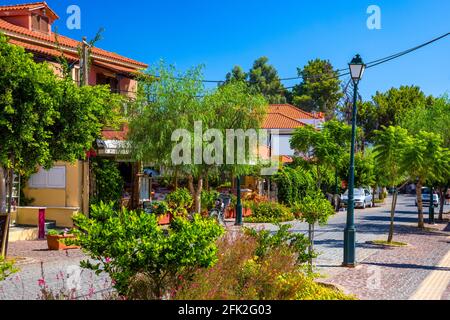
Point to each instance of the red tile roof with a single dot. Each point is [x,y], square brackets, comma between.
[29,6]
[43,50]
[294,112]
[49,42]
[280,121]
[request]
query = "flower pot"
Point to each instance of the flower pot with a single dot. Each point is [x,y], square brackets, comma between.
[230,213]
[56,243]
[247,212]
[164,219]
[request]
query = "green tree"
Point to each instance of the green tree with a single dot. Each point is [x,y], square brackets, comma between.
[108,181]
[44,119]
[176,102]
[388,108]
[320,88]
[264,79]
[236,74]
[424,160]
[389,144]
[326,148]
[128,245]
[314,208]
[434,118]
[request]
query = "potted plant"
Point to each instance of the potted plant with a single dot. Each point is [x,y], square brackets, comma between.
[55,240]
[161,210]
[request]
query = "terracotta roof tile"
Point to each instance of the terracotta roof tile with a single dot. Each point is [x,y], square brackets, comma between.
[51,39]
[280,121]
[293,112]
[41,49]
[28,6]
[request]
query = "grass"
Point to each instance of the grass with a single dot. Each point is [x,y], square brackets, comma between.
[390,244]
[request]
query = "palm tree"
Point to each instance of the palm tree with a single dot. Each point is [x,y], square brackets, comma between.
[424,160]
[389,144]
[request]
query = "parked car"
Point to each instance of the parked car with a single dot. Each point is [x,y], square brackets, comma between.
[426,197]
[363,198]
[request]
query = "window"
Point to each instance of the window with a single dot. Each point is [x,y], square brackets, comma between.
[39,23]
[55,178]
[112,82]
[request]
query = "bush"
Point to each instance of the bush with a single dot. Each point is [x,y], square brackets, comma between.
[270,212]
[6,268]
[108,181]
[159,208]
[240,274]
[208,199]
[128,245]
[293,184]
[180,201]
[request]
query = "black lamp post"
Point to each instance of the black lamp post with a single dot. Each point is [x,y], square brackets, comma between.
[431,208]
[357,68]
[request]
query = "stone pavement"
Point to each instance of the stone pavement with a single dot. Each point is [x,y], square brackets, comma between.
[382,273]
[61,269]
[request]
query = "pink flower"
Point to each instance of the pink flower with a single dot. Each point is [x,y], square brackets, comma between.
[108,260]
[41,282]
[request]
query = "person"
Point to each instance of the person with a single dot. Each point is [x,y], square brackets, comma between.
[447,197]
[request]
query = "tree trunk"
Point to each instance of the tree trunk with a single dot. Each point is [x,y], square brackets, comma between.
[196,192]
[393,205]
[442,193]
[3,204]
[311,245]
[420,204]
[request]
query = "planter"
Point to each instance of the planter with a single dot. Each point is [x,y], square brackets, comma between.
[231,213]
[164,219]
[55,243]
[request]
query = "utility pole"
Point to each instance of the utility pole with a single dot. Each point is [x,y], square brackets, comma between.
[84,81]
[84,63]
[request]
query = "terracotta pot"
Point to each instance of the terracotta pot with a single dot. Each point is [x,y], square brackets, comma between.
[230,213]
[55,243]
[164,219]
[246,212]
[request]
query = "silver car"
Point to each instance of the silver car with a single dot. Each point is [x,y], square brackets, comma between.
[363,198]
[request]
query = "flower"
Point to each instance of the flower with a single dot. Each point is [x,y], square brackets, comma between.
[41,282]
[108,260]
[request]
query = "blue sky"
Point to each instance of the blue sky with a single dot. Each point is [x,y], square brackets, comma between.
[220,34]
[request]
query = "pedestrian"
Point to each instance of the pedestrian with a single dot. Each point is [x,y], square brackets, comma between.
[447,197]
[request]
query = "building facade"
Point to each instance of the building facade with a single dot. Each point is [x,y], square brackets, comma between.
[64,189]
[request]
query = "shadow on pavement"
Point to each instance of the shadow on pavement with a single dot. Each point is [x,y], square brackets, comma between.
[407,266]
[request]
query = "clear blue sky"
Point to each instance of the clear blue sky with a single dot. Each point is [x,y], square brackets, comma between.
[220,34]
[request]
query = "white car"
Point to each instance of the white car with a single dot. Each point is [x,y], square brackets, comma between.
[363,198]
[426,197]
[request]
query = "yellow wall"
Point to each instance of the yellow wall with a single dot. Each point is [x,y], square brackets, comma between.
[28,216]
[68,197]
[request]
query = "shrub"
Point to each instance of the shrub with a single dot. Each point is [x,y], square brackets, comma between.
[242,274]
[159,208]
[180,201]
[270,212]
[127,244]
[208,199]
[108,181]
[6,268]
[293,184]
[268,241]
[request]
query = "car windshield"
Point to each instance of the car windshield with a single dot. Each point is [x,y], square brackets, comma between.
[425,191]
[357,192]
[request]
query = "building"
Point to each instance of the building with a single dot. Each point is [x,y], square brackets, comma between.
[64,189]
[281,122]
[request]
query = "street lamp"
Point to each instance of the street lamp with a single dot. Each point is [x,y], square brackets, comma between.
[357,68]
